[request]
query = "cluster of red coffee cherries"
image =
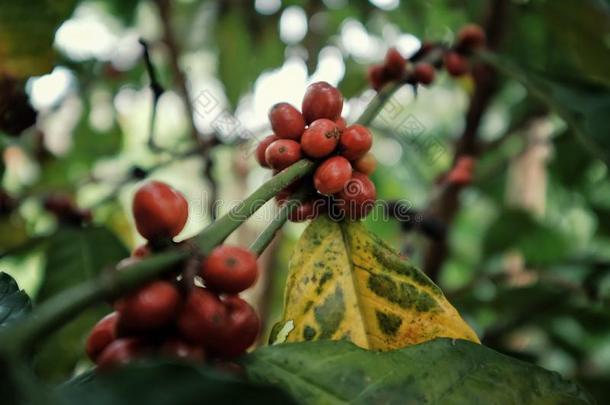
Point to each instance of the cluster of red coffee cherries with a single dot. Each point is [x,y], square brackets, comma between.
[340,185]
[175,315]
[396,68]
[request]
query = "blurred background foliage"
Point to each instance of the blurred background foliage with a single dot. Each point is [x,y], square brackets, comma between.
[529,257]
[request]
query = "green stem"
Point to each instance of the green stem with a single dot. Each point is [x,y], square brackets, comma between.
[377,103]
[265,238]
[218,231]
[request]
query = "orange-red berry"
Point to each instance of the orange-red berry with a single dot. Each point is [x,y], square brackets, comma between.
[242,330]
[229,269]
[357,198]
[282,153]
[424,73]
[151,307]
[455,64]
[471,37]
[203,319]
[321,138]
[355,141]
[366,164]
[286,121]
[332,175]
[394,64]
[103,333]
[321,100]
[159,211]
[262,147]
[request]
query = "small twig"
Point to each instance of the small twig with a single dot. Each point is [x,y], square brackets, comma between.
[157,91]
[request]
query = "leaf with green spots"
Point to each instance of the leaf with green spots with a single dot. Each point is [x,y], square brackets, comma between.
[441,371]
[347,284]
[14,303]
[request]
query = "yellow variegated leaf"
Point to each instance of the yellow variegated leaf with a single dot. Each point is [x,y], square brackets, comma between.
[347,284]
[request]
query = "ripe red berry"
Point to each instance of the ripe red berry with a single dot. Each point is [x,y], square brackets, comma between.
[341,123]
[151,307]
[119,352]
[357,198]
[180,349]
[282,153]
[332,175]
[142,251]
[355,141]
[103,333]
[376,76]
[306,210]
[159,211]
[424,73]
[455,64]
[242,330]
[203,318]
[321,138]
[394,64]
[321,100]
[471,37]
[262,147]
[286,121]
[366,164]
[229,269]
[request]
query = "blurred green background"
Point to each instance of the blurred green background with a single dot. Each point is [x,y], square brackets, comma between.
[529,262]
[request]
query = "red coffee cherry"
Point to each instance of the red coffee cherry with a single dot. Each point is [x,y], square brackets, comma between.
[455,64]
[332,175]
[203,319]
[151,307]
[262,147]
[159,211]
[471,37]
[357,198]
[341,123]
[366,164]
[424,73]
[394,64]
[229,269]
[102,334]
[321,138]
[243,328]
[355,141]
[119,352]
[376,77]
[306,210]
[321,100]
[179,349]
[282,153]
[286,121]
[142,251]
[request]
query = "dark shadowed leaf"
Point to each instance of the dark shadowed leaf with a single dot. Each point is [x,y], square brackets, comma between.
[516,229]
[14,303]
[442,371]
[74,255]
[167,383]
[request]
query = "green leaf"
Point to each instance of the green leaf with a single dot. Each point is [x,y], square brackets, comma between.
[245,51]
[14,303]
[517,229]
[75,255]
[26,35]
[166,383]
[582,104]
[441,371]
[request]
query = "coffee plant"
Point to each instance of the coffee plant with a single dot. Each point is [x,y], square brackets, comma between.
[315,202]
